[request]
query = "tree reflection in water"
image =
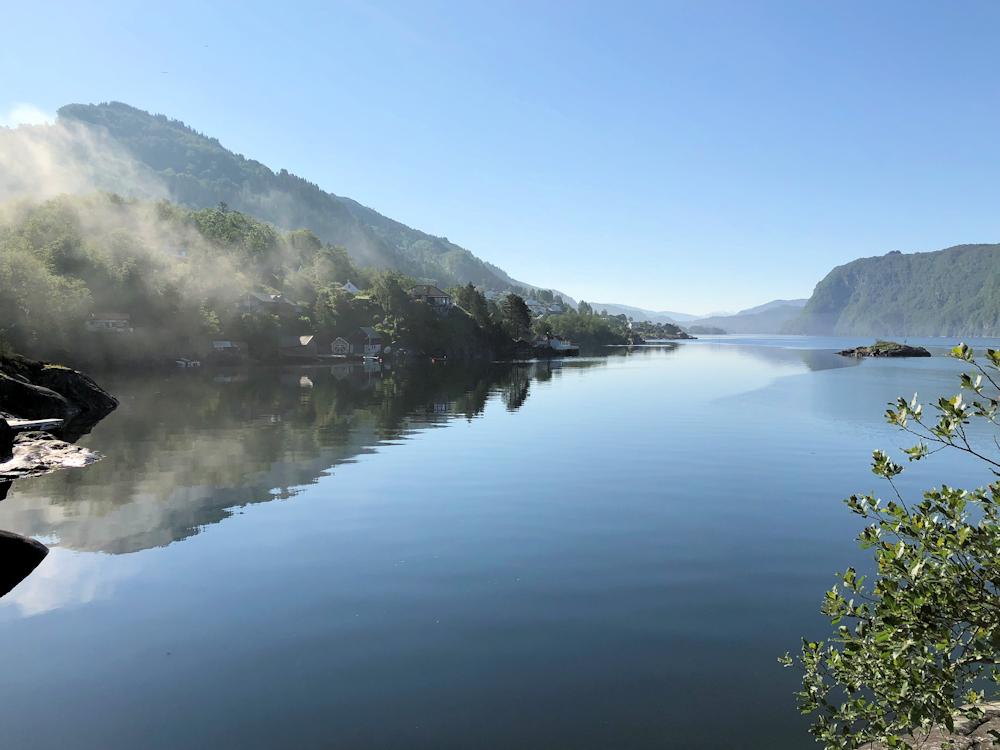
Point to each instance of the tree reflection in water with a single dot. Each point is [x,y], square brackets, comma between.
[186,448]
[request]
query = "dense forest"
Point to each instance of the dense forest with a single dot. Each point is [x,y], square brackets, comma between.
[199,172]
[952,292]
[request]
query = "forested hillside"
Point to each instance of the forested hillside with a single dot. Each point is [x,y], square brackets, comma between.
[184,277]
[952,292]
[200,173]
[177,279]
[176,272]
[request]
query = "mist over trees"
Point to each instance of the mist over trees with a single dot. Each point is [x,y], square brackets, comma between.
[182,278]
[197,171]
[104,214]
[178,274]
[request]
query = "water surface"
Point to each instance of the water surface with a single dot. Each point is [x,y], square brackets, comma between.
[608,552]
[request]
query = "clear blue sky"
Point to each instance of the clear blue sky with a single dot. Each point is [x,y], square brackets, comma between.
[690,156]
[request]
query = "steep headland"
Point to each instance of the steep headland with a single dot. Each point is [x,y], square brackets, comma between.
[951,292]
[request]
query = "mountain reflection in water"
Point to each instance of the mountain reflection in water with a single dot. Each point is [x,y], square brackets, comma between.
[186,449]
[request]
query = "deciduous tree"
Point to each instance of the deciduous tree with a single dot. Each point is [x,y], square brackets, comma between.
[918,645]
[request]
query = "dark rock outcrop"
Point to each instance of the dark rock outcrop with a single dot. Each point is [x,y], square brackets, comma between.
[886,349]
[18,557]
[25,399]
[40,390]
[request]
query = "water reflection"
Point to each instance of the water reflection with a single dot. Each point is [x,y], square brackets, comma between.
[186,450]
[591,563]
[771,352]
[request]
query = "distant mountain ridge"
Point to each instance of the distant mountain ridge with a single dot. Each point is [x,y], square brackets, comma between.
[638,313]
[201,173]
[771,317]
[777,303]
[950,292]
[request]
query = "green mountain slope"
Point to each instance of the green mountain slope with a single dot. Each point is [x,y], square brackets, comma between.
[951,292]
[201,173]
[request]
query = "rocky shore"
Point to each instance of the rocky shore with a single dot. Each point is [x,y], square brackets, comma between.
[968,734]
[41,390]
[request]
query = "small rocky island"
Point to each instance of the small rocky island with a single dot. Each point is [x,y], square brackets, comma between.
[886,349]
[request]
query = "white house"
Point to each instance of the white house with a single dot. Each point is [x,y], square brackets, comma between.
[350,288]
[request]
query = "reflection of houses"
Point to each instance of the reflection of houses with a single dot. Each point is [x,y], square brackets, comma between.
[431,295]
[273,304]
[297,347]
[109,323]
[367,342]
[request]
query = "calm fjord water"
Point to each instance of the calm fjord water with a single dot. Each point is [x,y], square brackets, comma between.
[609,552]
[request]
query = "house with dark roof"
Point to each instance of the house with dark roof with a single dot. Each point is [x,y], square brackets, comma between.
[225,350]
[297,347]
[367,342]
[274,304]
[431,295]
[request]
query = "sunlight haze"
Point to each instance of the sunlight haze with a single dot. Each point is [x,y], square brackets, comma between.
[614,153]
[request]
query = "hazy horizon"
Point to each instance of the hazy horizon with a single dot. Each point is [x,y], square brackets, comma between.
[691,158]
